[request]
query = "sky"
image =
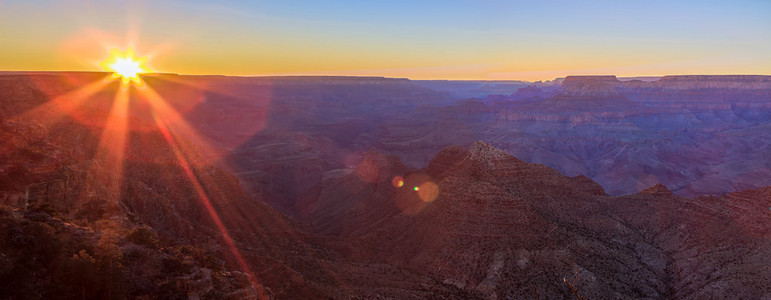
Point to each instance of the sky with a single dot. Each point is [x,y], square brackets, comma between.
[474,40]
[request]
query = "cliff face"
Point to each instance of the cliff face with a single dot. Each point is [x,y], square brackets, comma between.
[626,135]
[500,227]
[742,82]
[583,88]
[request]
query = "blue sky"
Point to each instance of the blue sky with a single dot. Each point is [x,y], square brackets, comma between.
[416,39]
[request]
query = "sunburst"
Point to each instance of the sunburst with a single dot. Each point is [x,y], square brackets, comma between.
[114,138]
[126,66]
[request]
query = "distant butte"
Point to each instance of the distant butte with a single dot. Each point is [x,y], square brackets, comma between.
[657,190]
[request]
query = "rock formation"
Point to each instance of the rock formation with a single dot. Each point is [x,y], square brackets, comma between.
[502,228]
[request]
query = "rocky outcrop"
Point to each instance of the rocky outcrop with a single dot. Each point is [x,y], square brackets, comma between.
[657,190]
[583,88]
[504,228]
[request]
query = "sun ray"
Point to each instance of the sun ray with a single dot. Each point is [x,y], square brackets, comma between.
[112,144]
[108,160]
[195,82]
[258,102]
[201,84]
[60,106]
[173,124]
[204,198]
[176,120]
[202,144]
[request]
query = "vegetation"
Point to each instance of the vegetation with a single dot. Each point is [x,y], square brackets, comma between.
[45,258]
[144,236]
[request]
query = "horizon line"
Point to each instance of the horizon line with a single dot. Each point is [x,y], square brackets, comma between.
[630,77]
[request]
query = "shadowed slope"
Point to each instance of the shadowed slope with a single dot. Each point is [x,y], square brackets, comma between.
[500,227]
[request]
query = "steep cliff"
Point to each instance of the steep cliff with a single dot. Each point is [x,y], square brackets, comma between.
[583,88]
[488,223]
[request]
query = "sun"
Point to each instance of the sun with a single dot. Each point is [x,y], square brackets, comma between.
[126,66]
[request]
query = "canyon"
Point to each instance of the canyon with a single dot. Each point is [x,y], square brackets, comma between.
[365,187]
[697,135]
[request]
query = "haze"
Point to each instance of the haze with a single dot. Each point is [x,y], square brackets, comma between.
[533,40]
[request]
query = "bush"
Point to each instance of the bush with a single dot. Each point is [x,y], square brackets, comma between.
[144,236]
[44,207]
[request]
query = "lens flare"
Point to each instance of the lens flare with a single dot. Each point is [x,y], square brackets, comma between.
[421,190]
[398,181]
[126,66]
[428,191]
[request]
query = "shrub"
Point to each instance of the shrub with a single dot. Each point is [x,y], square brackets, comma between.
[144,236]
